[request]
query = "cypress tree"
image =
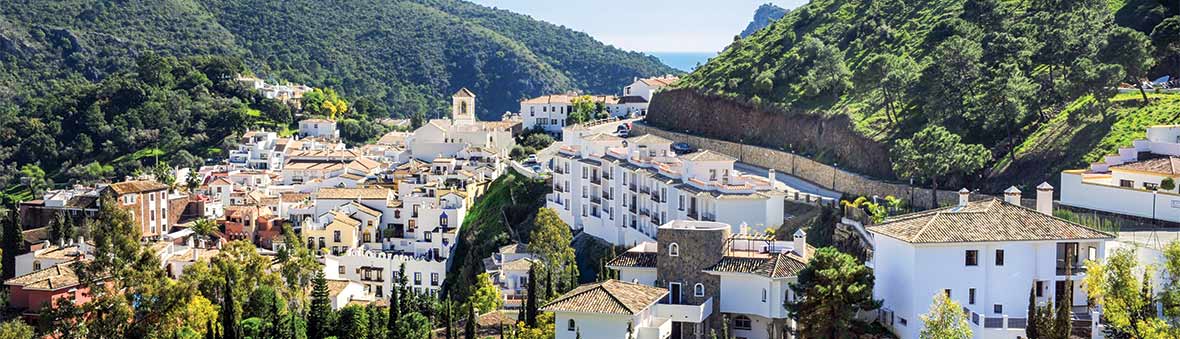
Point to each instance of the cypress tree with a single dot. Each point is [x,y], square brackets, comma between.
[229,321]
[548,283]
[321,307]
[1063,322]
[472,322]
[395,313]
[724,326]
[530,317]
[448,316]
[1032,331]
[210,331]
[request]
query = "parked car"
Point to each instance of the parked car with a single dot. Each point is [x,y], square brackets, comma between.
[532,159]
[624,127]
[683,148]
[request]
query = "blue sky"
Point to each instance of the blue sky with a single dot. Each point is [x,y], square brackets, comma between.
[648,25]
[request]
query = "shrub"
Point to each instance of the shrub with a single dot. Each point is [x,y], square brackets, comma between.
[1168,184]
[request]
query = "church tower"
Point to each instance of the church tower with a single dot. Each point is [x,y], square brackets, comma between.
[463,106]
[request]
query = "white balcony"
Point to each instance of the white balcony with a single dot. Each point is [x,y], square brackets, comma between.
[685,313]
[658,329]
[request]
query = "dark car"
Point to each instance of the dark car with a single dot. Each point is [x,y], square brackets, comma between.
[683,148]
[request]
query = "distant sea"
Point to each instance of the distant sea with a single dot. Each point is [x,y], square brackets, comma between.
[684,61]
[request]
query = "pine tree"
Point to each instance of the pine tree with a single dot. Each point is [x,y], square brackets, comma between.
[321,308]
[1032,331]
[472,322]
[531,303]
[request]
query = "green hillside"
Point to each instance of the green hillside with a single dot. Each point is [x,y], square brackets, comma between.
[994,72]
[397,57]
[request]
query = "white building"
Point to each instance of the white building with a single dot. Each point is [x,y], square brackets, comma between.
[447,137]
[257,151]
[508,268]
[550,112]
[1129,182]
[320,128]
[608,310]
[647,87]
[987,256]
[710,275]
[621,190]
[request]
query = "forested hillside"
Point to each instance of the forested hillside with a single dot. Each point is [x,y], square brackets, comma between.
[987,72]
[399,57]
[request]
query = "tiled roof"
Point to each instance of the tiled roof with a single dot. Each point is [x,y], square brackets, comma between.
[648,139]
[464,92]
[632,99]
[352,193]
[54,278]
[521,264]
[566,99]
[602,137]
[707,155]
[365,209]
[136,186]
[1165,165]
[514,249]
[779,265]
[660,81]
[609,297]
[634,259]
[979,221]
[293,196]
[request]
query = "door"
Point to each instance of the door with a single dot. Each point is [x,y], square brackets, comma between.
[674,296]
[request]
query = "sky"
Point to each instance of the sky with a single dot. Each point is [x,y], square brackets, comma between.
[648,25]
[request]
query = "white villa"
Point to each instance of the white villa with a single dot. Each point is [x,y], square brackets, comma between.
[1129,182]
[647,87]
[622,190]
[257,151]
[319,128]
[986,255]
[508,268]
[549,112]
[702,271]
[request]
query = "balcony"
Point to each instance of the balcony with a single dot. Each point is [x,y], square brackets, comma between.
[657,198]
[596,181]
[596,200]
[644,190]
[558,189]
[692,214]
[708,217]
[658,329]
[684,312]
[632,187]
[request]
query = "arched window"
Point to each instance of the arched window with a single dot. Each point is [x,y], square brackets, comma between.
[698,290]
[674,250]
[36,265]
[763,295]
[463,107]
[442,220]
[571,326]
[742,322]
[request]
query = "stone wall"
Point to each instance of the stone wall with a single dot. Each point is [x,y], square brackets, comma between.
[836,179]
[831,137]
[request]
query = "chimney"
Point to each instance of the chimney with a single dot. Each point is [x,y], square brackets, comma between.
[772,176]
[1012,195]
[196,253]
[800,244]
[964,197]
[1045,198]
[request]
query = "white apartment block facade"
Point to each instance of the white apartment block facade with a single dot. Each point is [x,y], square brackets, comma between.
[1129,182]
[986,255]
[621,190]
[257,151]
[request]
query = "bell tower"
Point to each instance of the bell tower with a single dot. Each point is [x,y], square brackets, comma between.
[463,106]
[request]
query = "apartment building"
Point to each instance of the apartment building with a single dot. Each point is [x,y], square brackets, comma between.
[1132,181]
[147,201]
[711,278]
[987,256]
[550,112]
[258,150]
[622,190]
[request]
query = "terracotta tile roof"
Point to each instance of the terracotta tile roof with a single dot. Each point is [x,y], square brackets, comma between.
[979,221]
[707,155]
[55,252]
[316,120]
[335,286]
[634,259]
[514,249]
[1164,165]
[352,193]
[293,196]
[54,278]
[521,264]
[780,265]
[566,99]
[660,81]
[609,297]
[365,209]
[137,186]
[648,139]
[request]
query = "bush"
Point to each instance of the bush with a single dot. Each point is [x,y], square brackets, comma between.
[538,140]
[1168,184]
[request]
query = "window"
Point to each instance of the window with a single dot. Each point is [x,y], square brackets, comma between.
[971,296]
[902,321]
[442,220]
[336,236]
[674,250]
[380,293]
[972,258]
[434,279]
[742,322]
[571,326]
[681,200]
[418,278]
[948,292]
[1040,288]
[37,265]
[999,257]
[1126,183]
[712,175]
[698,290]
[1150,186]
[763,295]
[998,309]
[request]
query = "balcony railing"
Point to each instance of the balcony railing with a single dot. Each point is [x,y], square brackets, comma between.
[596,181]
[596,200]
[1064,269]
[692,214]
[632,187]
[708,217]
[684,311]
